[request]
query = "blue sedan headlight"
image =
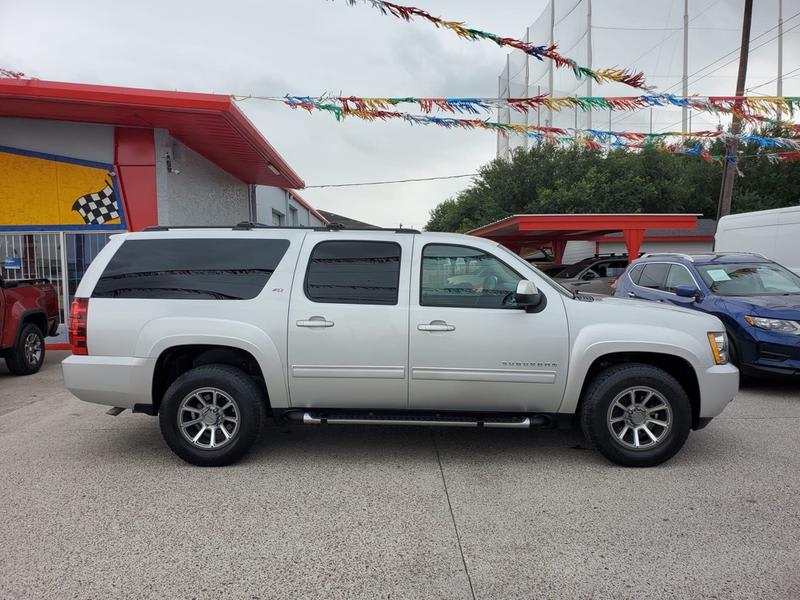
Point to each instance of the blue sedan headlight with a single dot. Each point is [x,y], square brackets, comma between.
[776,325]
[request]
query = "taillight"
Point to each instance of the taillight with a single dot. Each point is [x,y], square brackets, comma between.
[78,314]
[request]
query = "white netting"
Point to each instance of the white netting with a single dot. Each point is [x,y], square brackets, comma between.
[650,41]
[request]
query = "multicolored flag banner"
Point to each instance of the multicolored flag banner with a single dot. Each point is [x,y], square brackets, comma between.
[9,74]
[749,108]
[408,13]
[591,138]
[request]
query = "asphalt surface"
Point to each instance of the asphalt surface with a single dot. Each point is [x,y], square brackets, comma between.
[95,506]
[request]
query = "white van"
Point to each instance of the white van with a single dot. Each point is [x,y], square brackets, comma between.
[773,233]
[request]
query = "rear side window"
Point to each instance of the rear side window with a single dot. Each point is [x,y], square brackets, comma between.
[192,269]
[653,275]
[636,273]
[350,272]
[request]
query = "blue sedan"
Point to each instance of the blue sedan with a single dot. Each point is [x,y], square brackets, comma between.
[757,299]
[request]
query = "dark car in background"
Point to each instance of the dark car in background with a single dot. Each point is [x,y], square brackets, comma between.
[594,275]
[757,299]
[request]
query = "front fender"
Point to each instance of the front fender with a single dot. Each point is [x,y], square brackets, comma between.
[596,341]
[161,334]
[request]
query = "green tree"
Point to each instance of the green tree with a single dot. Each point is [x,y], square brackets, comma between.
[551,179]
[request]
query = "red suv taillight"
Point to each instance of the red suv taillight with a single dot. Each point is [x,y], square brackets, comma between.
[78,314]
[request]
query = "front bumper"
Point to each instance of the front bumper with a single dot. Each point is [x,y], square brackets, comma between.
[121,381]
[773,355]
[718,385]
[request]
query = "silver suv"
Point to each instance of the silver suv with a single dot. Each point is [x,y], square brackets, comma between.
[215,330]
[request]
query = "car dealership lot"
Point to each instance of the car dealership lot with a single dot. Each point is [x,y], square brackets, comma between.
[97,506]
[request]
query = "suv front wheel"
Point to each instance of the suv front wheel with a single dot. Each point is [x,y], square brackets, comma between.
[637,415]
[211,415]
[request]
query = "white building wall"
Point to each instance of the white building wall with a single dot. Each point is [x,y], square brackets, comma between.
[578,250]
[194,191]
[85,141]
[273,201]
[682,247]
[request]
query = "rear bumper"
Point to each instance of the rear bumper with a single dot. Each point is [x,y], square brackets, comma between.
[110,380]
[718,386]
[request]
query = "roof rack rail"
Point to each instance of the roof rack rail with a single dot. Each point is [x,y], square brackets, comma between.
[759,255]
[681,254]
[250,225]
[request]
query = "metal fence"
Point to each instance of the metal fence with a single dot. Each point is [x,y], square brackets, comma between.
[61,257]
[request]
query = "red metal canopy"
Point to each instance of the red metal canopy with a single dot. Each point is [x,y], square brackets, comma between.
[524,231]
[210,124]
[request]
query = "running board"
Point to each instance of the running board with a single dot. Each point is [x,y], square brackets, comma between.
[443,421]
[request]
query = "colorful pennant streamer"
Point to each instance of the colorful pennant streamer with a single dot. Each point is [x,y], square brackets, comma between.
[593,138]
[749,108]
[408,13]
[8,74]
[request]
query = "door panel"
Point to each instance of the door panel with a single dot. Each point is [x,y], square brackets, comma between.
[348,322]
[492,356]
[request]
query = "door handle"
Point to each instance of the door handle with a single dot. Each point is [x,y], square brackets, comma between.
[315,322]
[436,326]
[632,295]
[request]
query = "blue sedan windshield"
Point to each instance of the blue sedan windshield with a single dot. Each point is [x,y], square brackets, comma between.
[749,279]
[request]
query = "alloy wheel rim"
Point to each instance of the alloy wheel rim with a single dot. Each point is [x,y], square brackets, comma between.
[33,349]
[639,418]
[208,418]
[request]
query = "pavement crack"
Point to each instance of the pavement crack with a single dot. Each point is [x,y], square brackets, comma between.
[452,515]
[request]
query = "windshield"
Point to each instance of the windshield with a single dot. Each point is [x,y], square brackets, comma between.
[750,279]
[574,270]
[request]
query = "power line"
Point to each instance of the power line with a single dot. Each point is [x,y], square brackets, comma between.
[339,185]
[734,51]
[755,87]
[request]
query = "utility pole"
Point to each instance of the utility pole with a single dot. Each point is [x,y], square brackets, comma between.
[780,52]
[527,81]
[685,88]
[729,170]
[589,56]
[550,80]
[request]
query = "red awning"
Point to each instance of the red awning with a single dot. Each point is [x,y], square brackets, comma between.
[210,124]
[526,231]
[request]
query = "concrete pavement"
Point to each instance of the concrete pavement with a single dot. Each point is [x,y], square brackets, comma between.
[98,507]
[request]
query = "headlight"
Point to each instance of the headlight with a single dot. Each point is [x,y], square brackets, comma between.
[719,346]
[778,325]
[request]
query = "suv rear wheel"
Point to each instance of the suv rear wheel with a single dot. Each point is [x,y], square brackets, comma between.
[211,415]
[27,356]
[637,415]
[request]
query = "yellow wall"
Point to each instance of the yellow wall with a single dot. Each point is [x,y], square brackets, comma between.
[39,191]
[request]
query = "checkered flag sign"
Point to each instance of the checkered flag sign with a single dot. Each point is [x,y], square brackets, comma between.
[98,207]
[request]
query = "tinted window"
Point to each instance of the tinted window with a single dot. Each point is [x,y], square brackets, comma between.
[653,275]
[678,275]
[354,273]
[635,273]
[461,276]
[201,269]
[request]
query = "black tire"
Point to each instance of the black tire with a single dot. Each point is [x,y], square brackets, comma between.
[21,361]
[249,405]
[596,412]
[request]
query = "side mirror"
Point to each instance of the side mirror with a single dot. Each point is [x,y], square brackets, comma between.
[527,296]
[688,291]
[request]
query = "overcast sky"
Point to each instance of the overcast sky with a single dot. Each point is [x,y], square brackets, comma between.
[307,47]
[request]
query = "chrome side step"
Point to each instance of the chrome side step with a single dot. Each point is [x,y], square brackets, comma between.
[311,419]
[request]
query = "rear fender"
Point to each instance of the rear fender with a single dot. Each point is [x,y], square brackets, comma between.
[161,334]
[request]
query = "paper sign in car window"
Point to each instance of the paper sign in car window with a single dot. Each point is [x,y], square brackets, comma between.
[718,275]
